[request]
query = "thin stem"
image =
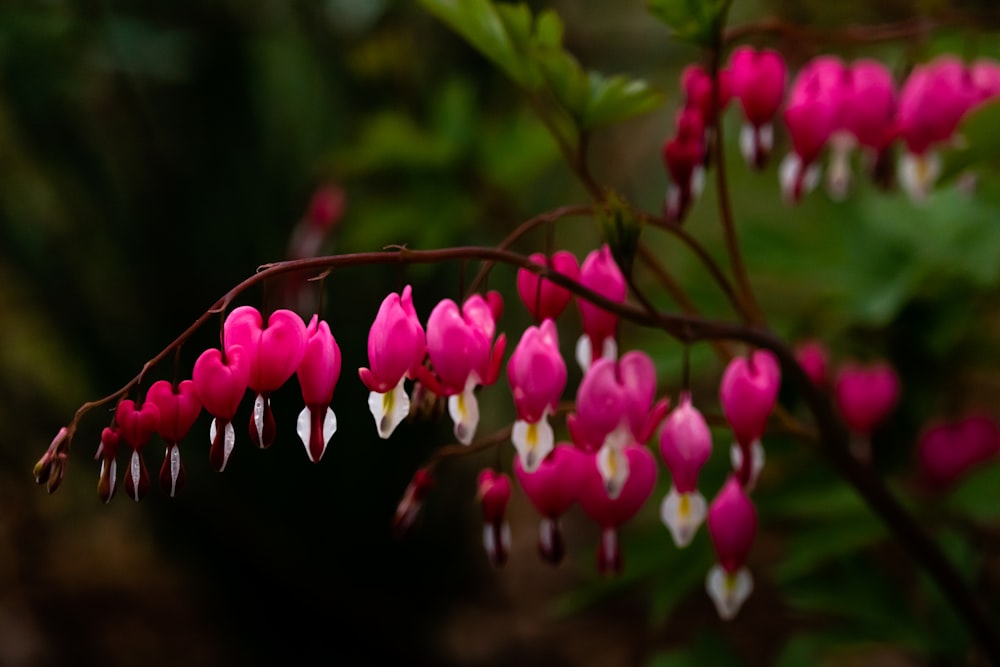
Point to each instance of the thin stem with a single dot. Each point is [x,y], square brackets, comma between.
[852,34]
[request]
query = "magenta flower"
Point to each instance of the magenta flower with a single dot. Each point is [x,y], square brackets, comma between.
[985,75]
[684,156]
[614,409]
[107,451]
[543,298]
[412,501]
[758,81]
[698,94]
[396,351]
[611,512]
[866,395]
[748,392]
[494,494]
[553,488]
[221,382]
[461,348]
[318,374]
[947,451]
[537,375]
[179,408]
[136,427]
[273,353]
[732,524]
[813,358]
[601,274]
[685,444]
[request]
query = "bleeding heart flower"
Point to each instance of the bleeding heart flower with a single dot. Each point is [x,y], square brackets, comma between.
[610,513]
[553,488]
[318,375]
[273,353]
[136,427]
[684,157]
[758,79]
[412,501]
[949,450]
[221,383]
[812,357]
[601,274]
[866,395]
[685,444]
[537,375]
[748,392]
[106,452]
[179,408]
[732,525]
[494,494]
[543,298]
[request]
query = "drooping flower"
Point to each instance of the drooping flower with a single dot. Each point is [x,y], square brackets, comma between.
[615,409]
[812,357]
[537,375]
[699,95]
[611,512]
[947,451]
[543,298]
[107,452]
[684,157]
[136,427]
[601,274]
[494,494]
[732,525]
[179,408]
[748,393]
[412,501]
[396,351]
[685,444]
[866,395]
[318,374]
[758,81]
[273,353]
[553,487]
[221,382]
[461,348]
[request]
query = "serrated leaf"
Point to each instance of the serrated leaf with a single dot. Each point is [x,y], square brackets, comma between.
[613,99]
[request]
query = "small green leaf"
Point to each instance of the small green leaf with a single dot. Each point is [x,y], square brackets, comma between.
[613,99]
[696,21]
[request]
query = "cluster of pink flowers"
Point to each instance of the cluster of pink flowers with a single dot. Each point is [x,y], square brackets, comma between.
[830,103]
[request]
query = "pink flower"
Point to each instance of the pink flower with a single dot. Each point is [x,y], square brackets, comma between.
[220,383]
[732,525]
[698,95]
[273,353]
[318,374]
[494,494]
[553,488]
[758,81]
[949,450]
[601,274]
[870,110]
[985,75]
[537,375]
[412,502]
[685,444]
[684,156]
[748,392]
[136,427]
[107,451]
[547,300]
[812,357]
[179,407]
[396,350]
[866,395]
[611,512]
[460,346]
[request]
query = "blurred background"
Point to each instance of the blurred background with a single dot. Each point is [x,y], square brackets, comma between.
[153,155]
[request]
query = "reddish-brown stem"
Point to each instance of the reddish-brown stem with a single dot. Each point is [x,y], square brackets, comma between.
[851,34]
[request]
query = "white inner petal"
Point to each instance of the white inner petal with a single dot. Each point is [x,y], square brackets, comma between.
[683,513]
[612,462]
[584,353]
[748,143]
[258,417]
[464,411]
[389,409]
[533,442]
[728,590]
[135,473]
[228,443]
[175,467]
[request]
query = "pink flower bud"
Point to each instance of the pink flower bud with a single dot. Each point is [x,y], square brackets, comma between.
[949,450]
[685,444]
[220,384]
[812,356]
[985,75]
[601,274]
[136,427]
[536,372]
[396,344]
[697,86]
[412,502]
[732,524]
[610,513]
[273,352]
[318,374]
[748,392]
[548,300]
[932,102]
[179,408]
[553,488]
[684,156]
[866,395]
[107,452]
[758,82]
[494,494]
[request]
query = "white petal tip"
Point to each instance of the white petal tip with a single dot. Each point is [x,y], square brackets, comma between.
[728,590]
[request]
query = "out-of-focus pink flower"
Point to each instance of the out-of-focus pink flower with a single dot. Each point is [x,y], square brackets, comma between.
[866,395]
[949,450]
[814,360]
[685,444]
[732,525]
[684,155]
[548,300]
[553,488]
[494,494]
[758,82]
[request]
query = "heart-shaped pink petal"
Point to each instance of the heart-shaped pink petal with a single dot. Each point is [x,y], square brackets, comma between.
[611,512]
[948,450]
[748,392]
[555,485]
[179,408]
[866,395]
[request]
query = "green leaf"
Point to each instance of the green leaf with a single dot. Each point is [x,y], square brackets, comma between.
[696,21]
[481,24]
[613,99]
